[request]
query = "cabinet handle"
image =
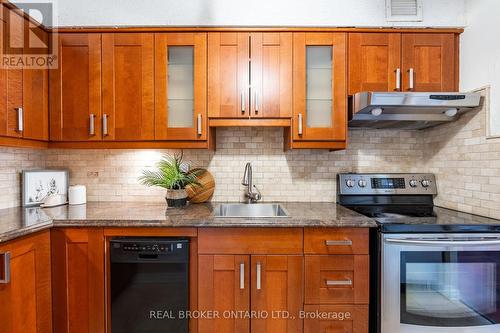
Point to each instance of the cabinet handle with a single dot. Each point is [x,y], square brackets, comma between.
[92,124]
[259,275]
[20,119]
[345,242]
[411,78]
[300,124]
[256,103]
[331,283]
[243,107]
[398,79]
[199,124]
[6,268]
[105,124]
[242,275]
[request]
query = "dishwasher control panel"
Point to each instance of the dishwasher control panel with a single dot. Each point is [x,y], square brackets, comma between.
[138,247]
[152,248]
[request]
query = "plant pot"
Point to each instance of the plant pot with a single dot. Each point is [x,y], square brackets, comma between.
[176,198]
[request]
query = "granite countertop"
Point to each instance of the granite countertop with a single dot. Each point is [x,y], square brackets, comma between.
[17,222]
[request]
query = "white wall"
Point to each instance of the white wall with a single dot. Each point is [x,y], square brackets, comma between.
[438,13]
[480,54]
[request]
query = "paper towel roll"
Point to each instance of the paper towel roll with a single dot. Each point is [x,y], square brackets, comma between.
[77,195]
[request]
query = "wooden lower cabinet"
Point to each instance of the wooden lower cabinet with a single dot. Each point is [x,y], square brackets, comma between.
[223,287]
[26,300]
[258,294]
[336,319]
[78,280]
[278,292]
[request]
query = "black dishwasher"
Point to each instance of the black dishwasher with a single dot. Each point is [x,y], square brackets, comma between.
[149,284]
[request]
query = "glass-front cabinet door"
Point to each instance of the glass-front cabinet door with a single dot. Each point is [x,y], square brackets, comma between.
[320,95]
[180,93]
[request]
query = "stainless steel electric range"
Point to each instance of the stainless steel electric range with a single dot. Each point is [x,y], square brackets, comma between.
[434,270]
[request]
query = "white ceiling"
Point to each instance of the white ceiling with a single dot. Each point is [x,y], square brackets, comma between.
[437,13]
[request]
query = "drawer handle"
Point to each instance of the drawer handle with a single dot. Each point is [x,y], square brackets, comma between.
[6,268]
[199,123]
[242,275]
[105,124]
[243,103]
[398,79]
[345,242]
[331,283]
[92,124]
[411,78]
[20,119]
[259,275]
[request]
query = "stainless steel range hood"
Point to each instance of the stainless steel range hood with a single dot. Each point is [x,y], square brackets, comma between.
[409,110]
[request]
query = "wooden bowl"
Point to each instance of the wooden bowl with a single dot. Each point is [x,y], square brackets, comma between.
[203,193]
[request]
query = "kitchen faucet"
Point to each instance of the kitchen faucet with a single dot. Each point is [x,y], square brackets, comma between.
[247,181]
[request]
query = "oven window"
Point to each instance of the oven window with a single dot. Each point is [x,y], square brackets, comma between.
[450,289]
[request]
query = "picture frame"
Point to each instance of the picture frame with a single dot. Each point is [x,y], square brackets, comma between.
[39,183]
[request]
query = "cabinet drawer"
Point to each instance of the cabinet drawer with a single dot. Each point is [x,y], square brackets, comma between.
[336,318]
[336,241]
[250,241]
[337,279]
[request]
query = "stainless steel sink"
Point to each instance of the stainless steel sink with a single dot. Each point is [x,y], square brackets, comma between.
[250,210]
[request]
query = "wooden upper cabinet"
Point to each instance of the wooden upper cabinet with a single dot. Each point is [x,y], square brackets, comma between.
[128,86]
[224,285]
[271,70]
[249,75]
[181,86]
[374,62]
[429,62]
[26,300]
[228,75]
[319,87]
[11,85]
[23,91]
[277,287]
[75,89]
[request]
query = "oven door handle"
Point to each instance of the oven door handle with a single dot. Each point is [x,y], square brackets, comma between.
[423,241]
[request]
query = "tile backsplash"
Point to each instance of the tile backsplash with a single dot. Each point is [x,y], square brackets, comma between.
[297,175]
[12,162]
[466,164]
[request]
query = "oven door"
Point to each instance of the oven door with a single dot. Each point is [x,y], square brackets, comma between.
[440,283]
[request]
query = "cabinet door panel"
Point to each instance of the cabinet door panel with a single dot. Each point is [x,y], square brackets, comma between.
[26,300]
[128,86]
[75,89]
[228,75]
[373,62]
[223,285]
[277,287]
[271,70]
[432,59]
[320,91]
[78,274]
[35,98]
[181,85]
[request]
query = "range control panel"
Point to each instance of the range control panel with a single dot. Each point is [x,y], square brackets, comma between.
[389,184]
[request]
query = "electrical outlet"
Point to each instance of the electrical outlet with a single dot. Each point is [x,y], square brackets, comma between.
[92,174]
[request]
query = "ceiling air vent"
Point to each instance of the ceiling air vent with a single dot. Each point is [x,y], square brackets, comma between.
[404,10]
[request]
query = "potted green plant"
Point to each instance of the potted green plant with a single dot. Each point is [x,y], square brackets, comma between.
[171,176]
